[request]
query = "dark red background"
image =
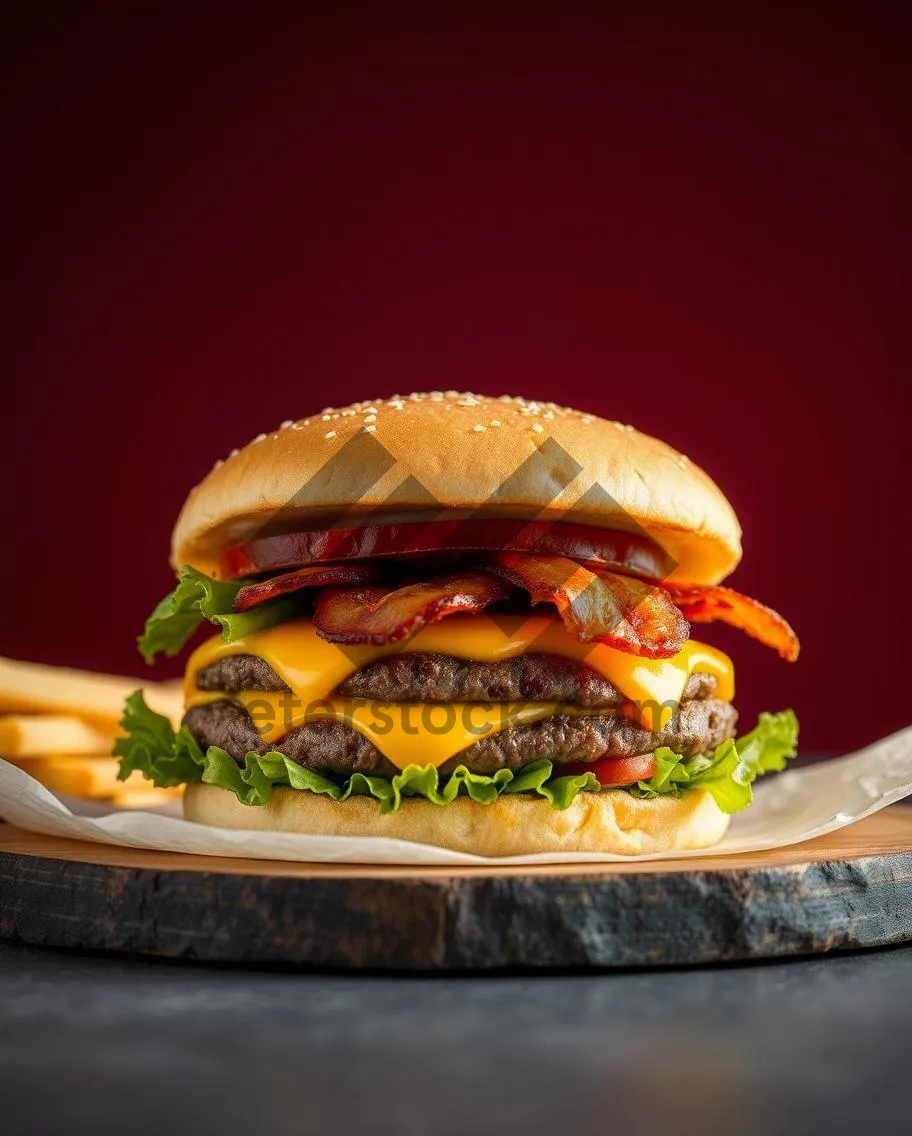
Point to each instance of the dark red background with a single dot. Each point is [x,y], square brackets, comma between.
[694,223]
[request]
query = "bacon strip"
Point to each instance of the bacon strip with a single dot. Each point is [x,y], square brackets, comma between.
[622,612]
[704,605]
[317,576]
[384,615]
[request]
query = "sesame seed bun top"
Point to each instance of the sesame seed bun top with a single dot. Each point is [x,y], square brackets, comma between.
[411,457]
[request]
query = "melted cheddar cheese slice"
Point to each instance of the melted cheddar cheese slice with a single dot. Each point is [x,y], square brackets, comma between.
[431,733]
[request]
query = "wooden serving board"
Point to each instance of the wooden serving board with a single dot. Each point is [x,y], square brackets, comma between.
[850,889]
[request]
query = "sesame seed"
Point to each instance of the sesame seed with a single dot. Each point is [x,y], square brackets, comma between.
[330,434]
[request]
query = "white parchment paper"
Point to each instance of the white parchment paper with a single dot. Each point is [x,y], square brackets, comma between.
[788,808]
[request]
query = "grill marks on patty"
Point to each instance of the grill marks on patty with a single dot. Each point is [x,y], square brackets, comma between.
[333,747]
[429,677]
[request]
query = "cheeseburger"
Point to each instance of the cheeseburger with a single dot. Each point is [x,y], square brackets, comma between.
[463,621]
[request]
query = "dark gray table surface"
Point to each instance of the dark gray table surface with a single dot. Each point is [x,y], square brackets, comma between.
[120,1045]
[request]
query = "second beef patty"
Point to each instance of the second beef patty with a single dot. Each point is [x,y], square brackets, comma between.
[330,746]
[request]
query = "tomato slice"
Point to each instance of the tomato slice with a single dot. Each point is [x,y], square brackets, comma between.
[600,548]
[613,772]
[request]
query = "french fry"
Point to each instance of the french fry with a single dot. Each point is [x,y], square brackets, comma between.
[93,777]
[145,796]
[34,688]
[31,735]
[59,725]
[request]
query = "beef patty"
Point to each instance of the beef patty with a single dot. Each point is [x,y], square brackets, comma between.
[330,746]
[429,677]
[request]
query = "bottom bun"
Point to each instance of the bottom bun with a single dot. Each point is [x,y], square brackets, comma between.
[513,825]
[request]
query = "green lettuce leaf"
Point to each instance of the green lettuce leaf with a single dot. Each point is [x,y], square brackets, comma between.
[729,773]
[197,597]
[771,743]
[254,781]
[151,746]
[168,757]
